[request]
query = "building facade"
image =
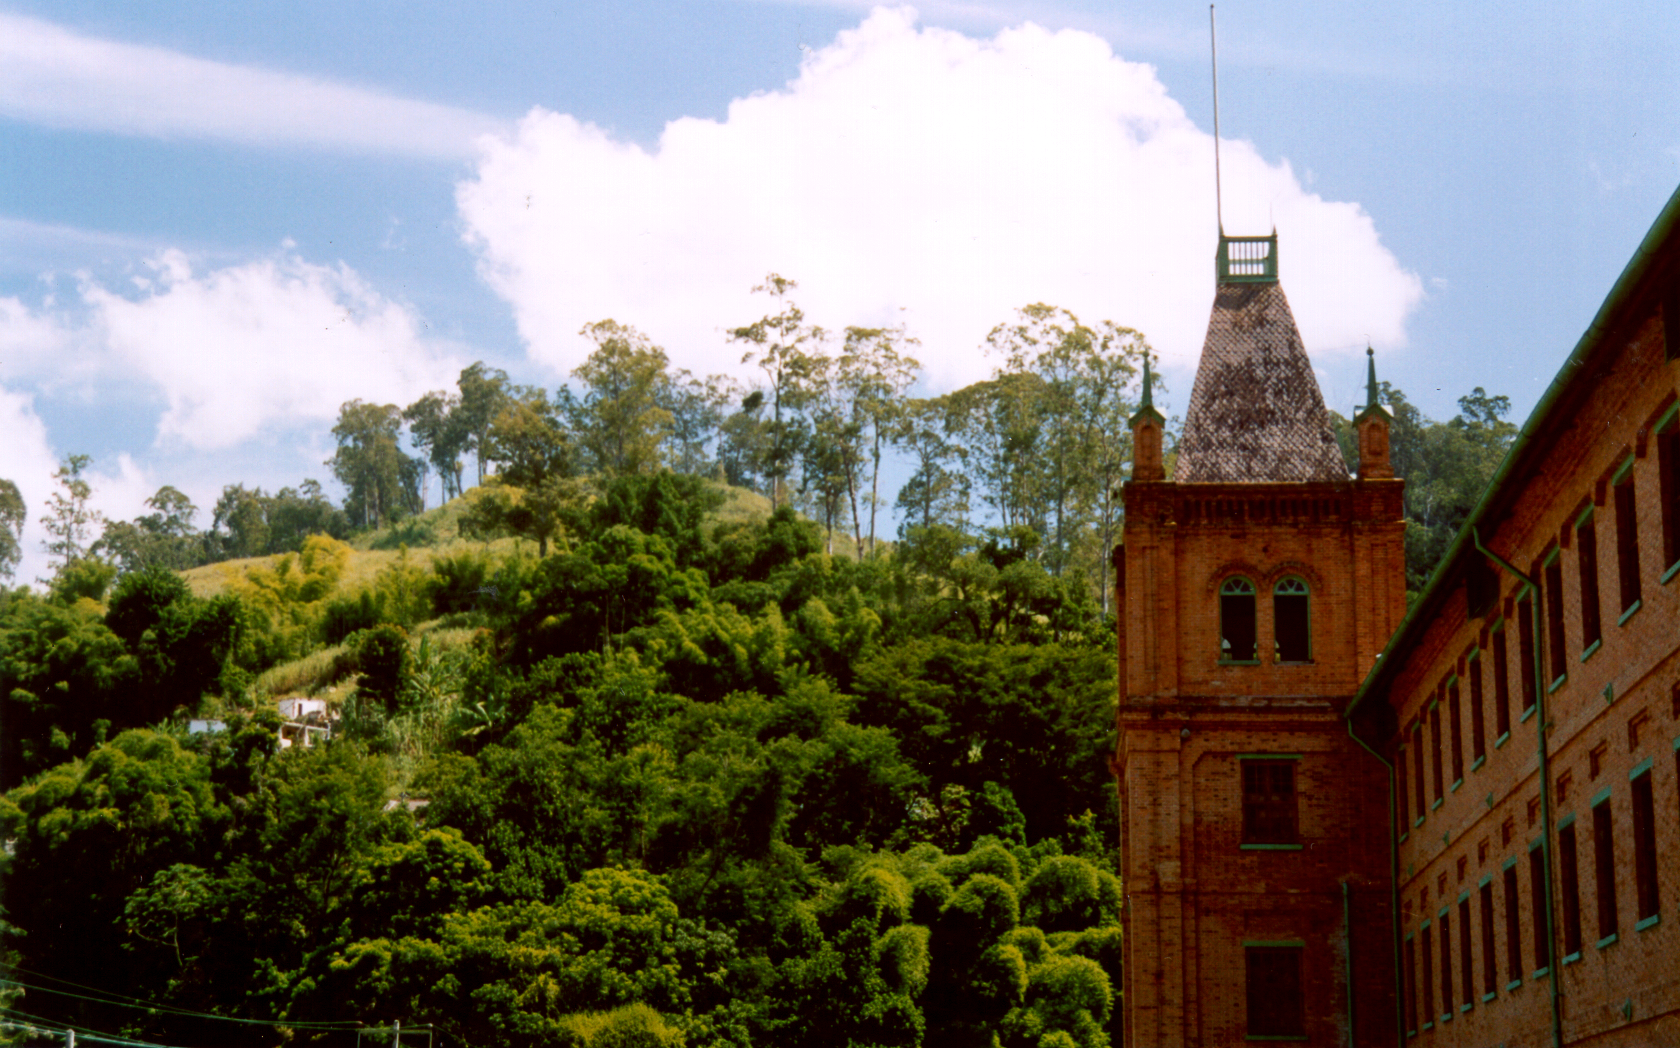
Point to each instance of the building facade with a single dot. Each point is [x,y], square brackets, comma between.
[1346,822]
[1530,709]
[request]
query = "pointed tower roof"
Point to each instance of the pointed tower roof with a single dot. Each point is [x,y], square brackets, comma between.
[1256,413]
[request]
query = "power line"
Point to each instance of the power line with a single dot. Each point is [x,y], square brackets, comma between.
[123,1001]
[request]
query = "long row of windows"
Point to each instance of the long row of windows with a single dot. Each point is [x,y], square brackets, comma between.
[1437,735]
[1239,633]
[1442,976]
[1629,570]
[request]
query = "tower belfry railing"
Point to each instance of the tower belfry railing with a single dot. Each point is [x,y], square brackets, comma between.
[1247,260]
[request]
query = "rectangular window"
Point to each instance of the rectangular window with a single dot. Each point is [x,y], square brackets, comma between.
[1553,597]
[1586,559]
[1490,964]
[1446,965]
[1513,926]
[1466,968]
[1417,767]
[1411,986]
[1525,652]
[1604,868]
[1645,846]
[1501,686]
[1478,730]
[1268,802]
[1435,748]
[1275,1001]
[1401,800]
[1627,543]
[1426,974]
[1537,907]
[1668,475]
[1569,873]
[1455,732]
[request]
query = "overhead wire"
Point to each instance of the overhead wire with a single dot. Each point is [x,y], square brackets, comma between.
[123,1001]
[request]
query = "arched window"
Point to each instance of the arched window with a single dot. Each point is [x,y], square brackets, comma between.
[1292,620]
[1237,641]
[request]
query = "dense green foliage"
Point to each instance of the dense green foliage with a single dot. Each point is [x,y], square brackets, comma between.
[690,783]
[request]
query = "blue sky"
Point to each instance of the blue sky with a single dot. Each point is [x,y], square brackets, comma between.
[218,222]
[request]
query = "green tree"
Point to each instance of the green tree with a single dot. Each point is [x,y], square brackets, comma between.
[432,431]
[534,490]
[369,461]
[485,391]
[623,421]
[163,537]
[937,491]
[875,372]
[789,352]
[13,515]
[70,522]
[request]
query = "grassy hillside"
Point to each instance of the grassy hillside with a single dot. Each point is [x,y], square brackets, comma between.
[436,533]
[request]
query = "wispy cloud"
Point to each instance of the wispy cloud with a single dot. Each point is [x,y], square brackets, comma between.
[51,75]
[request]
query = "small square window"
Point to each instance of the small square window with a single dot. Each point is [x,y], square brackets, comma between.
[1482,852]
[1507,831]
[1533,811]
[1463,866]
[1564,781]
[1441,884]
[1276,1005]
[1595,762]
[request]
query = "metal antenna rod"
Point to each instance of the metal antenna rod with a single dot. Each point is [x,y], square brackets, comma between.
[1218,197]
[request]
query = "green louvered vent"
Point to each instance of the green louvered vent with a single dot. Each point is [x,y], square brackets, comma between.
[1247,260]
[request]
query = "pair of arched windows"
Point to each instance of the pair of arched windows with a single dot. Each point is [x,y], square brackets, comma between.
[1239,632]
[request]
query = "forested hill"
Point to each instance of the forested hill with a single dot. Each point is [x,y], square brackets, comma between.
[619,754]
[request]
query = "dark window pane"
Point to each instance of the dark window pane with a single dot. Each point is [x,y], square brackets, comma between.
[1554,617]
[1237,636]
[1466,974]
[1446,965]
[1269,802]
[1275,1004]
[1645,846]
[1478,727]
[1501,686]
[1604,869]
[1455,730]
[1525,652]
[1435,749]
[1627,543]
[1513,926]
[1291,621]
[1490,967]
[1537,907]
[1569,872]
[1586,557]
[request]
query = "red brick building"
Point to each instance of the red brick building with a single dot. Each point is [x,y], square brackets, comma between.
[1255,590]
[1328,844]
[1537,882]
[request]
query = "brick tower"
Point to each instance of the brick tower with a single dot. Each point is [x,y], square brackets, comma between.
[1256,588]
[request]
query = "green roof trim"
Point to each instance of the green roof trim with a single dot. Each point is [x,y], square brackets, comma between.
[1530,444]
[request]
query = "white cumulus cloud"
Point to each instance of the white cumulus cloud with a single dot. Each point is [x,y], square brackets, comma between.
[271,343]
[917,175]
[54,76]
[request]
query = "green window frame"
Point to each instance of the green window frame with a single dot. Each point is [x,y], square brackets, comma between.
[1291,620]
[1239,622]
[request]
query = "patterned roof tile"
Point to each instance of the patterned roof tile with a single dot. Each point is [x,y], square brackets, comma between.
[1256,413]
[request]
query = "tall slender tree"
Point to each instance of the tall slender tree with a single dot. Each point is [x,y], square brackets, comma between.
[789,351]
[875,372]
